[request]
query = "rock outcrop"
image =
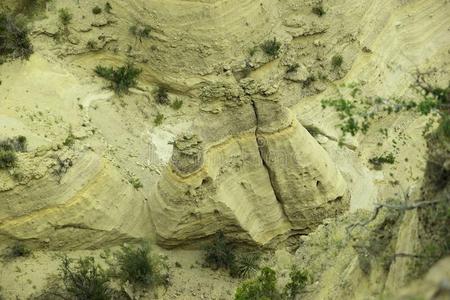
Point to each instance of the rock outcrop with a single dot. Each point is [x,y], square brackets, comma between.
[252,171]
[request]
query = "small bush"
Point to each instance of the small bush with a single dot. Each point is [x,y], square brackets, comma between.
[159,119]
[140,31]
[7,159]
[220,253]
[136,183]
[108,7]
[271,47]
[14,41]
[337,61]
[162,95]
[30,7]
[298,281]
[121,78]
[19,250]
[138,267]
[17,144]
[96,10]
[378,161]
[91,44]
[262,288]
[246,265]
[292,68]
[177,104]
[85,279]
[65,16]
[318,10]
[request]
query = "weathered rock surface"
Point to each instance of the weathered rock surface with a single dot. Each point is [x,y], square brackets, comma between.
[260,176]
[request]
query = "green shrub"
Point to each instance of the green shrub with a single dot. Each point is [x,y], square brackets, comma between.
[84,279]
[318,10]
[159,119]
[14,41]
[30,7]
[18,250]
[96,10]
[337,61]
[121,78]
[108,7]
[162,95]
[262,288]
[65,16]
[17,144]
[177,104]
[220,252]
[141,31]
[271,47]
[378,161]
[292,68]
[136,183]
[245,265]
[7,159]
[297,283]
[138,267]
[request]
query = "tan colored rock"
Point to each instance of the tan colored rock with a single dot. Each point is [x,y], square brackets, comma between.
[236,183]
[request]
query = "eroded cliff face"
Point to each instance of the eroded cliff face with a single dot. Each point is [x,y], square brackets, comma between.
[251,152]
[264,178]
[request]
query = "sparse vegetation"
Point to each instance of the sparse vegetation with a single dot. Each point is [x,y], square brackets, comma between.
[139,267]
[271,47]
[220,253]
[14,40]
[108,7]
[141,31]
[318,10]
[162,95]
[8,149]
[84,279]
[159,119]
[245,265]
[298,281]
[136,183]
[262,287]
[30,7]
[18,250]
[96,10]
[122,78]
[378,161]
[91,44]
[292,68]
[177,104]
[337,61]
[65,16]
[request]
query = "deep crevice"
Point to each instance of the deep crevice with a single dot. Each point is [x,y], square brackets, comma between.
[260,143]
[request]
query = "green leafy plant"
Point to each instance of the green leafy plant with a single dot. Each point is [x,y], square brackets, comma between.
[378,161]
[177,104]
[318,10]
[159,119]
[292,68]
[245,265]
[84,279]
[96,10]
[141,31]
[262,288]
[220,252]
[297,283]
[139,267]
[136,183]
[14,40]
[65,16]
[337,61]
[121,78]
[19,250]
[271,47]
